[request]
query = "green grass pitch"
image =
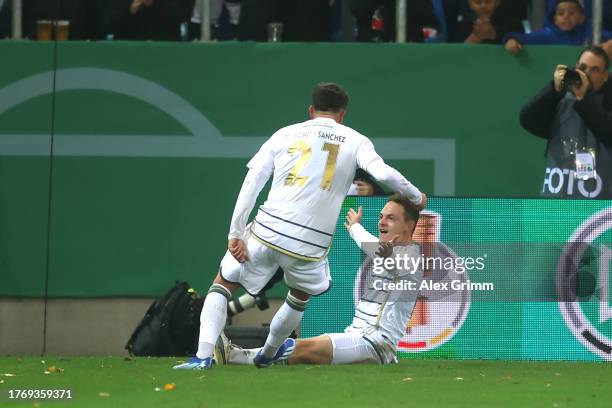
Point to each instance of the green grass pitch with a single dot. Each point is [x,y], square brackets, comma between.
[117,382]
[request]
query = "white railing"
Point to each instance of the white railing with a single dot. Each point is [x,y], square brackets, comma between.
[17,31]
[205,20]
[597,20]
[400,21]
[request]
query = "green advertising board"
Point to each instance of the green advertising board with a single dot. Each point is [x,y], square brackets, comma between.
[120,162]
[531,250]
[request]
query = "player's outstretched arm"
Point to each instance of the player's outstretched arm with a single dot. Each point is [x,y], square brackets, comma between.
[357,232]
[370,161]
[260,167]
[384,173]
[253,183]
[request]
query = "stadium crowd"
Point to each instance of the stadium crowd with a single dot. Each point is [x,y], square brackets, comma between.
[513,23]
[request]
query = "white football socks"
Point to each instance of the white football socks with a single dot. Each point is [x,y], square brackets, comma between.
[212,319]
[242,356]
[284,322]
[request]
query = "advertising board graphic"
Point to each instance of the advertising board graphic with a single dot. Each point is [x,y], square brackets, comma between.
[542,294]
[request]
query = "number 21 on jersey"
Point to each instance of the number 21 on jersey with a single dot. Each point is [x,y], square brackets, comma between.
[302,147]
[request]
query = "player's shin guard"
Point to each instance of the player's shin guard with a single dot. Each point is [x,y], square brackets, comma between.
[284,322]
[212,319]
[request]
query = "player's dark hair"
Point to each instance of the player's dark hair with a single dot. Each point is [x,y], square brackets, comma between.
[410,211]
[600,52]
[329,97]
[362,175]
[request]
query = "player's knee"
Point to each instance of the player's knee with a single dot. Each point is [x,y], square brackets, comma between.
[317,350]
[295,302]
[299,294]
[304,351]
[325,349]
[224,287]
[221,289]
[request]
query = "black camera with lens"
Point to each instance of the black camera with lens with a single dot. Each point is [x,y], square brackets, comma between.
[572,78]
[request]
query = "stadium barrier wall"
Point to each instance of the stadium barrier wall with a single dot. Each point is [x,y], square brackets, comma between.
[142,146]
[70,329]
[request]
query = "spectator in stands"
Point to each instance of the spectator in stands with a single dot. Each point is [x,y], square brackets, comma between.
[606,23]
[5,18]
[574,114]
[426,20]
[607,46]
[569,27]
[486,23]
[255,15]
[588,10]
[308,20]
[607,14]
[158,20]
[513,9]
[225,16]
[303,20]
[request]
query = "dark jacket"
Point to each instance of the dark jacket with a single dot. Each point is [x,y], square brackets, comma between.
[159,22]
[504,24]
[541,116]
[550,34]
[553,36]
[588,11]
[5,19]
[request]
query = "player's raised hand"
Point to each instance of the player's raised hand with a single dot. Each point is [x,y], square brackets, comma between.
[238,249]
[385,249]
[353,217]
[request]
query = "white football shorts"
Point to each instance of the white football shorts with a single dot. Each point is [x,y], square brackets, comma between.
[309,277]
[353,347]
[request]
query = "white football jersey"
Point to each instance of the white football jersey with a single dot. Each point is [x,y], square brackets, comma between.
[314,163]
[382,307]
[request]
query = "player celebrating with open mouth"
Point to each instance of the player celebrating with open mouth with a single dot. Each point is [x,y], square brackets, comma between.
[381,316]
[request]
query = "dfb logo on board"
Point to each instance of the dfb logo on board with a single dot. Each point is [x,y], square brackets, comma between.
[588,317]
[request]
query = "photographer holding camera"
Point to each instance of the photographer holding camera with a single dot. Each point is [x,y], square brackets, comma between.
[574,113]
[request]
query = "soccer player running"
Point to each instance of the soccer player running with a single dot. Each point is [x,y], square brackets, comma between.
[382,315]
[313,164]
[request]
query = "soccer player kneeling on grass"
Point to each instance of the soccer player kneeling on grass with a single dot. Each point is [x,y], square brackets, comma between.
[312,165]
[381,316]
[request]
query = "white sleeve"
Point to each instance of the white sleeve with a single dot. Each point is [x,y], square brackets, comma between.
[264,158]
[370,161]
[260,167]
[361,236]
[352,191]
